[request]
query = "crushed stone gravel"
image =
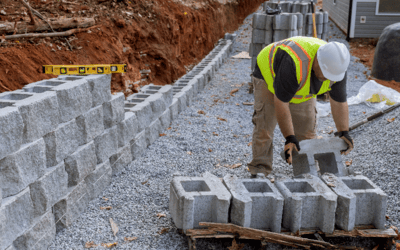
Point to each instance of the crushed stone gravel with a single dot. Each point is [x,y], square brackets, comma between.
[196,143]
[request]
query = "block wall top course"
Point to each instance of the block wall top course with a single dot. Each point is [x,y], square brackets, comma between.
[11,130]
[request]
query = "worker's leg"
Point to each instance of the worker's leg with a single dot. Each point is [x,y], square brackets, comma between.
[264,121]
[304,118]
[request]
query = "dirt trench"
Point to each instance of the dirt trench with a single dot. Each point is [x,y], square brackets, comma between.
[164,36]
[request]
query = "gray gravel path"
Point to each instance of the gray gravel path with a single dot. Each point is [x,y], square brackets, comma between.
[196,143]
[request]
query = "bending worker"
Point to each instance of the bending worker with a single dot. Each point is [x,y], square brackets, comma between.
[287,78]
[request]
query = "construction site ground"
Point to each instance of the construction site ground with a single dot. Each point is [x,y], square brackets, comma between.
[214,134]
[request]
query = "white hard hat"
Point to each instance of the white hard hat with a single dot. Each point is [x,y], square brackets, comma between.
[333,59]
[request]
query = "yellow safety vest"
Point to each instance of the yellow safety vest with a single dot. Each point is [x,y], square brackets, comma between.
[303,50]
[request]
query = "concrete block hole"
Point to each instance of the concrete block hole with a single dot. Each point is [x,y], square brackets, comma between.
[299,187]
[37,89]
[142,96]
[150,92]
[137,100]
[50,83]
[195,186]
[15,97]
[70,78]
[257,187]
[154,87]
[130,105]
[5,104]
[357,184]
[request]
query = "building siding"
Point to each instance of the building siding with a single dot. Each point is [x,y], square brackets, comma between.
[374,24]
[339,12]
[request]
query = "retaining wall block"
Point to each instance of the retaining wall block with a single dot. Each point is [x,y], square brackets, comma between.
[286,6]
[256,49]
[138,145]
[71,206]
[258,36]
[198,199]
[272,5]
[309,19]
[285,21]
[121,159]
[157,103]
[326,17]
[16,215]
[300,20]
[98,180]
[182,103]
[90,125]
[100,87]
[22,168]
[253,62]
[166,92]
[153,131]
[324,36]
[74,98]
[319,17]
[269,37]
[320,28]
[165,119]
[61,143]
[325,151]
[256,203]
[269,23]
[40,235]
[44,85]
[174,109]
[81,163]
[127,129]
[309,203]
[49,189]
[142,110]
[11,130]
[106,144]
[201,82]
[113,110]
[304,7]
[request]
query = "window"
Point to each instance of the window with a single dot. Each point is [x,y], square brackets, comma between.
[388,6]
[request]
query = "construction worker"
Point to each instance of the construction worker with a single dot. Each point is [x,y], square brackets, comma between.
[287,77]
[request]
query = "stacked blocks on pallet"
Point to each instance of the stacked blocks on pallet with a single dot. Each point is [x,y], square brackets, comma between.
[198,199]
[285,26]
[256,203]
[262,35]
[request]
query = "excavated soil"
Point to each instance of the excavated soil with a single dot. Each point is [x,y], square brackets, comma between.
[164,36]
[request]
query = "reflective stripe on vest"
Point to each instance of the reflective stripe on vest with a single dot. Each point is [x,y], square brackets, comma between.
[303,57]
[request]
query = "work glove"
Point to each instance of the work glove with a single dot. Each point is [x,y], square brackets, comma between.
[291,144]
[344,135]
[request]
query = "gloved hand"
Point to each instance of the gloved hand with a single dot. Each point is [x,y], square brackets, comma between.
[290,144]
[344,135]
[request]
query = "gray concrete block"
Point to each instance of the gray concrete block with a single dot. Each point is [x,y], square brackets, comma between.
[320,28]
[61,142]
[40,235]
[166,92]
[309,18]
[256,48]
[121,159]
[81,163]
[201,82]
[286,6]
[71,206]
[100,87]
[198,199]
[285,21]
[138,145]
[142,109]
[165,119]
[98,180]
[258,36]
[153,131]
[106,144]
[319,17]
[74,98]
[113,110]
[259,20]
[251,198]
[22,168]
[325,29]
[40,114]
[326,17]
[279,35]
[300,20]
[44,85]
[174,109]
[157,103]
[127,129]
[49,189]
[324,151]
[309,203]
[324,36]
[181,99]
[269,37]
[304,8]
[11,130]
[90,125]
[16,214]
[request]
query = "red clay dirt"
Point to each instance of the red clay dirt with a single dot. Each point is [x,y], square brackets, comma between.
[168,37]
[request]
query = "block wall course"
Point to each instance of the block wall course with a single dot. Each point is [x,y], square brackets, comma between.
[98,180]
[121,159]
[100,87]
[142,110]
[138,145]
[11,130]
[90,125]
[106,144]
[127,129]
[113,110]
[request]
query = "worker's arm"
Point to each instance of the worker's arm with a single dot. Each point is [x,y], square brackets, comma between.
[340,113]
[283,117]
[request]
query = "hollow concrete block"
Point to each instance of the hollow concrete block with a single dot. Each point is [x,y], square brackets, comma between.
[309,18]
[71,206]
[166,92]
[11,130]
[309,203]
[98,180]
[121,159]
[113,110]
[90,125]
[165,119]
[106,144]
[258,36]
[39,236]
[286,6]
[319,17]
[127,129]
[47,190]
[300,21]
[198,199]
[326,17]
[61,142]
[269,22]
[81,163]
[320,28]
[138,145]
[100,87]
[22,168]
[181,99]
[326,152]
[142,109]
[174,109]
[256,203]
[153,131]
[74,98]
[16,215]
[259,20]
[285,21]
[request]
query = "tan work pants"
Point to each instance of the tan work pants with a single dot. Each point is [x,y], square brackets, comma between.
[264,119]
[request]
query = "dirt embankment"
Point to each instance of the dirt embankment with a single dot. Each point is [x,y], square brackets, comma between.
[164,36]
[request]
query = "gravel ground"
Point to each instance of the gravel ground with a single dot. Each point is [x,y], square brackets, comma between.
[196,143]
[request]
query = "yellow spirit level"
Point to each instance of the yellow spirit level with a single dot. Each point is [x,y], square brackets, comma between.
[84,69]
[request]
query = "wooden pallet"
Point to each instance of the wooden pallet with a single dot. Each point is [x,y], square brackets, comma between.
[221,231]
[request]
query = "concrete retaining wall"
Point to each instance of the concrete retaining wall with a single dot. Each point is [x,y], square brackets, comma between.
[62,139]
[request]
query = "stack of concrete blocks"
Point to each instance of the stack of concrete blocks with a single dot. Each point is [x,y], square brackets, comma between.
[321,20]
[256,203]
[262,35]
[285,26]
[198,199]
